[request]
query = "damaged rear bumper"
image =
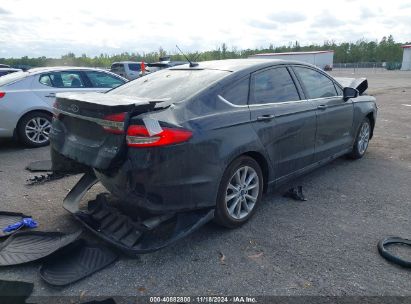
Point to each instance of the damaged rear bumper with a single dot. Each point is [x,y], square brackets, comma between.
[133,234]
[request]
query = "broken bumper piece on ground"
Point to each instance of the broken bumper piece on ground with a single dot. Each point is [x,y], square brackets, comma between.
[132,235]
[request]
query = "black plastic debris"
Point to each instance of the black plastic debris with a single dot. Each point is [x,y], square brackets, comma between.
[9,218]
[39,166]
[23,247]
[295,193]
[41,179]
[382,249]
[14,292]
[75,262]
[132,236]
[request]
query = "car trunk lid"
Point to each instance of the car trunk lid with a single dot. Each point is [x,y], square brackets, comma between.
[90,128]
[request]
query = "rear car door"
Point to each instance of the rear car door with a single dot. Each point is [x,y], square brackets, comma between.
[334,115]
[47,85]
[283,120]
[102,81]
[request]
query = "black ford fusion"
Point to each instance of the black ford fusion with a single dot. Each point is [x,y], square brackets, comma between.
[213,135]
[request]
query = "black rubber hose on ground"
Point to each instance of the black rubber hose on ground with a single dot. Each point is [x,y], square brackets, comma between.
[382,249]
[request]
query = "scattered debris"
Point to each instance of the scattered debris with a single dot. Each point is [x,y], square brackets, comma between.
[15,292]
[256,256]
[133,236]
[389,256]
[23,247]
[39,166]
[296,193]
[10,218]
[75,262]
[41,179]
[142,289]
[222,258]
[25,222]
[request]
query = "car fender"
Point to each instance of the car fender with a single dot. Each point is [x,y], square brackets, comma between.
[363,106]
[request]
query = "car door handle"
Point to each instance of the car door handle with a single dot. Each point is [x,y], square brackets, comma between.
[322,107]
[51,95]
[265,117]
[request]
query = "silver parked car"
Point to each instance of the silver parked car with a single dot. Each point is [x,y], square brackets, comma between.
[127,69]
[26,98]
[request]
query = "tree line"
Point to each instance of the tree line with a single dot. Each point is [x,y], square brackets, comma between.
[385,50]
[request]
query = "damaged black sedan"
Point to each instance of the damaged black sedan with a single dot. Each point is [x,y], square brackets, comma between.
[213,135]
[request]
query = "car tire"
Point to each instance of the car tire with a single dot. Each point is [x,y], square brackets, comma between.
[239,193]
[33,129]
[361,140]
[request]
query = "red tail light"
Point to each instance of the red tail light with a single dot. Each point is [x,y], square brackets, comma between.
[113,123]
[2,94]
[138,136]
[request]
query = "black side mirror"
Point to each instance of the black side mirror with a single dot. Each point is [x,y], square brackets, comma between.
[350,93]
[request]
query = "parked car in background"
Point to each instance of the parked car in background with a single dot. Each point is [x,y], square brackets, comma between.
[157,66]
[4,65]
[127,69]
[5,71]
[26,98]
[212,135]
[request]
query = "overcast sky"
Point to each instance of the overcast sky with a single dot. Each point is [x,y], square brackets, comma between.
[52,28]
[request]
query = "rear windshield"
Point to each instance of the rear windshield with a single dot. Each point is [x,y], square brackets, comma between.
[117,67]
[173,85]
[9,78]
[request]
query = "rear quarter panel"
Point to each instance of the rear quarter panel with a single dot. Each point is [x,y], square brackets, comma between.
[18,101]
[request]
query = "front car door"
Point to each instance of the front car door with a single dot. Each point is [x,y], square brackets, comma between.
[334,115]
[283,120]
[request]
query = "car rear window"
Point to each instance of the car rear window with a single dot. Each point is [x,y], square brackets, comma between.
[173,85]
[134,67]
[119,67]
[13,77]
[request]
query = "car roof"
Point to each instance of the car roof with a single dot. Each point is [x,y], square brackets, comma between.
[62,68]
[120,62]
[235,65]
[9,69]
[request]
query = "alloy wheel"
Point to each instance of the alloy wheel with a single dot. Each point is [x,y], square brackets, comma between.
[363,138]
[242,192]
[37,130]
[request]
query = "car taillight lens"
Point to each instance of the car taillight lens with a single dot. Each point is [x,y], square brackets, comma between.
[2,94]
[113,123]
[138,136]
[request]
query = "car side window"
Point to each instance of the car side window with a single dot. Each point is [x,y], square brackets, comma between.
[103,80]
[63,79]
[45,79]
[134,67]
[274,85]
[316,84]
[238,92]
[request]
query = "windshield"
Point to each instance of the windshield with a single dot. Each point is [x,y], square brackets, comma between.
[173,85]
[9,78]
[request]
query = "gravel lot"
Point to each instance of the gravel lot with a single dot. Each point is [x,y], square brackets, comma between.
[324,246]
